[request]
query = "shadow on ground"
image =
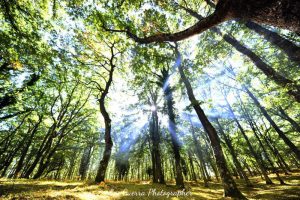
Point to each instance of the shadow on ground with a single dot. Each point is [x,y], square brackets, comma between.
[54,190]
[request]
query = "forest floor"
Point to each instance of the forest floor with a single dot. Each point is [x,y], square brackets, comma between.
[55,190]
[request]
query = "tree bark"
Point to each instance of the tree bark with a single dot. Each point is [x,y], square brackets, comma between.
[230,187]
[234,155]
[107,121]
[276,153]
[208,152]
[108,144]
[199,153]
[254,154]
[292,86]
[281,134]
[85,162]
[285,116]
[192,168]
[288,47]
[168,94]
[255,131]
[158,175]
[280,13]
[26,148]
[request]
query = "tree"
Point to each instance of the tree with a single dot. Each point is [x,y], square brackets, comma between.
[230,188]
[234,155]
[163,81]
[263,12]
[158,175]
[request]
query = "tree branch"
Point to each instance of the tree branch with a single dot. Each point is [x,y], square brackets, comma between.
[220,15]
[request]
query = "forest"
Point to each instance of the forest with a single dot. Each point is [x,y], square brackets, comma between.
[150,99]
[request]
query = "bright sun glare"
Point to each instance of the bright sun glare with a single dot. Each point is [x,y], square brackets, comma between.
[153,108]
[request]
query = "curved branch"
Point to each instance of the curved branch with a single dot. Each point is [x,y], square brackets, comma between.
[220,15]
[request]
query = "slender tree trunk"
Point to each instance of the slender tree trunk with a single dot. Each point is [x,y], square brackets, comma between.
[274,150]
[107,121]
[248,168]
[268,158]
[203,171]
[192,168]
[208,150]
[273,124]
[108,146]
[158,175]
[235,172]
[256,170]
[254,154]
[85,162]
[293,87]
[199,154]
[172,126]
[204,168]
[250,122]
[277,154]
[73,159]
[157,157]
[230,187]
[295,161]
[285,116]
[266,154]
[6,142]
[11,156]
[26,148]
[234,155]
[47,158]
[46,143]
[288,47]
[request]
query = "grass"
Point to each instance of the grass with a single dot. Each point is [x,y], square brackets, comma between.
[23,189]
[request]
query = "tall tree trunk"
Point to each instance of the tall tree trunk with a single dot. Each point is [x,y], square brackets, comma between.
[172,125]
[288,47]
[85,161]
[11,156]
[273,149]
[108,144]
[230,187]
[199,153]
[254,154]
[285,116]
[248,168]
[279,13]
[293,87]
[158,175]
[250,122]
[265,152]
[234,155]
[46,143]
[268,158]
[26,148]
[73,159]
[273,124]
[46,158]
[192,168]
[107,122]
[276,153]
[208,152]
[6,141]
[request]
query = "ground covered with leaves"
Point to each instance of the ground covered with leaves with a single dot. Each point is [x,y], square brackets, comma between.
[45,189]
